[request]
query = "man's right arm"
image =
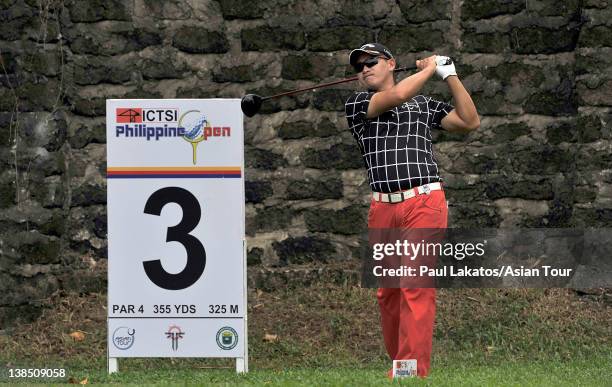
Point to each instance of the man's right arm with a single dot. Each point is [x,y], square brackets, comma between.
[403,90]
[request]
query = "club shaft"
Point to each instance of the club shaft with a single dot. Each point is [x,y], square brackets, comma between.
[310,88]
[324,85]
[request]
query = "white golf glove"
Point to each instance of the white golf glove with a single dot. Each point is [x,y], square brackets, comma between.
[445,67]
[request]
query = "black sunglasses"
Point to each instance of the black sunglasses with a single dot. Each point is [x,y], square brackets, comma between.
[369,63]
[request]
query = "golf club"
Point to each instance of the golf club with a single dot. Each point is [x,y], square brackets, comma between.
[251,103]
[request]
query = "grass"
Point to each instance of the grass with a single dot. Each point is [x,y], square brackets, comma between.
[330,335]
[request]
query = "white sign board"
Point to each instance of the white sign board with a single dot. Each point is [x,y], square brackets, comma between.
[176,254]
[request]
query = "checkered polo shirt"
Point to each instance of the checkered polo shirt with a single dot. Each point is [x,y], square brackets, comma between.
[396,146]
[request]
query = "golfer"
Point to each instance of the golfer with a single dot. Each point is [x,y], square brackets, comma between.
[392,124]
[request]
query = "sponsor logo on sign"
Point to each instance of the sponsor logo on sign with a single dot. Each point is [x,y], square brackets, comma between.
[198,129]
[123,338]
[404,368]
[227,338]
[159,124]
[146,115]
[129,115]
[175,334]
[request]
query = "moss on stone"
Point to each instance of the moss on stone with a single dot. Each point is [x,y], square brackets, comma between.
[34,247]
[541,40]
[351,220]
[266,38]
[473,215]
[236,74]
[269,219]
[8,194]
[96,10]
[254,256]
[331,100]
[509,132]
[481,9]
[491,42]
[330,188]
[196,40]
[511,73]
[597,36]
[315,67]
[340,156]
[301,250]
[530,188]
[338,38]
[411,38]
[419,11]
[257,191]
[264,159]
[241,9]
[557,102]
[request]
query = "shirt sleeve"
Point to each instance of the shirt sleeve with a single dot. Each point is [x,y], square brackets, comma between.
[438,111]
[356,109]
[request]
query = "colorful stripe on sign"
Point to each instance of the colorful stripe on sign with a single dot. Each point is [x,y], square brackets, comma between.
[173,172]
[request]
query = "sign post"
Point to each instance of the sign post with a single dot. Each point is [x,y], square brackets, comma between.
[176,246]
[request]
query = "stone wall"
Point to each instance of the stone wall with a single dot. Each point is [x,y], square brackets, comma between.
[539,71]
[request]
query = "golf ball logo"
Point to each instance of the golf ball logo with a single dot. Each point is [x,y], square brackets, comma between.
[194,125]
[198,128]
[197,131]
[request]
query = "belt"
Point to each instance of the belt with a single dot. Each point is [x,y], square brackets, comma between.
[398,197]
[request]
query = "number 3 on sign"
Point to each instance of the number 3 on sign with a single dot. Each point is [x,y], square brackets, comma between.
[196,255]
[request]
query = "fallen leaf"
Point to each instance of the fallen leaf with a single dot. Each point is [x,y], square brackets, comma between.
[258,306]
[72,380]
[269,338]
[84,381]
[77,336]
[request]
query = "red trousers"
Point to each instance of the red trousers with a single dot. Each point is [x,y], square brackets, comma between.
[407,315]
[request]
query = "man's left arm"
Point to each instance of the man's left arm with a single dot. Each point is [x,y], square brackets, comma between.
[464,117]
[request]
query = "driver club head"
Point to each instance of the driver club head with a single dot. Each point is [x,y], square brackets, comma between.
[250,104]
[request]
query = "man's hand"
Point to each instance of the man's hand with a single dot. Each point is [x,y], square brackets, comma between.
[428,63]
[445,70]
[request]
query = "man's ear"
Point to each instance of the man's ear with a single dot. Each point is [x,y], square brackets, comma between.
[392,63]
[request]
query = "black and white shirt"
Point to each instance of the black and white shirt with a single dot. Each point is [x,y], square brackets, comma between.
[396,146]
